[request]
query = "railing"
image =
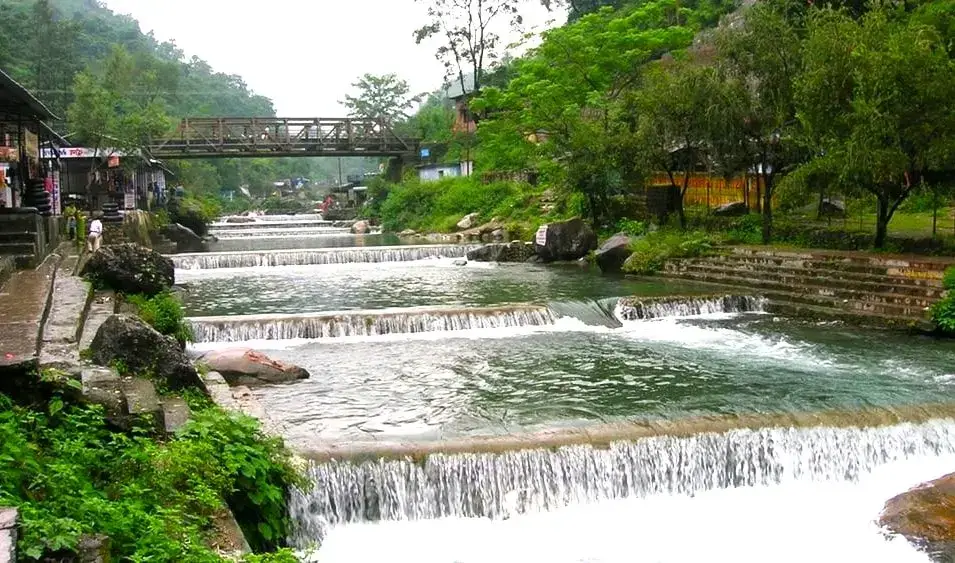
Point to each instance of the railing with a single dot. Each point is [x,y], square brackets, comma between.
[273,136]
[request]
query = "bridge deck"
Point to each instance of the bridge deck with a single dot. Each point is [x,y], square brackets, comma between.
[237,137]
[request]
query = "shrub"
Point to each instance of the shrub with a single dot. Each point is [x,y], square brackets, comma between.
[70,475]
[440,205]
[948,280]
[194,213]
[652,251]
[747,229]
[631,227]
[164,313]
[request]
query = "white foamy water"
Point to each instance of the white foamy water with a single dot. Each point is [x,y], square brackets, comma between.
[262,259]
[798,522]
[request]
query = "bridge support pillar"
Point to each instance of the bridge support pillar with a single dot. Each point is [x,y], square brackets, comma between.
[396,168]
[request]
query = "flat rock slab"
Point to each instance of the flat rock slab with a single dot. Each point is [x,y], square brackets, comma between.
[68,304]
[103,305]
[22,303]
[175,413]
[141,397]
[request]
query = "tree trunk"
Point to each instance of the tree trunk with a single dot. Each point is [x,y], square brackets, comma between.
[882,222]
[767,209]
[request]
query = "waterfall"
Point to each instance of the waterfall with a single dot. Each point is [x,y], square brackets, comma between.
[591,312]
[206,261]
[257,225]
[363,323]
[496,484]
[631,309]
[278,233]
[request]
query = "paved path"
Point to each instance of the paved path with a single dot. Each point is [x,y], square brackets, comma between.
[23,300]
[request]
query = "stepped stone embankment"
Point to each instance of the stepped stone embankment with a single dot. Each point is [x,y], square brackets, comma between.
[880,290]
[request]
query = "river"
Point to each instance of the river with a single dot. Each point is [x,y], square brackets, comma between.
[712,430]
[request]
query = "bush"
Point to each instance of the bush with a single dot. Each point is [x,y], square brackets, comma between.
[948,279]
[438,206]
[194,213]
[70,475]
[631,227]
[747,229]
[652,251]
[164,313]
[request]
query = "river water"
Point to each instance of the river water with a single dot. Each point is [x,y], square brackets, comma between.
[706,430]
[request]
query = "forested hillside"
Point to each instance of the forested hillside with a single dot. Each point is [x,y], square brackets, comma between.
[44,44]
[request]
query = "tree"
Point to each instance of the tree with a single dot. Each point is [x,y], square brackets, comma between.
[470,35]
[108,115]
[760,59]
[674,108]
[880,95]
[384,97]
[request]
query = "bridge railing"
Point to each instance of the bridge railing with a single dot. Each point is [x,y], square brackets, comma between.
[253,135]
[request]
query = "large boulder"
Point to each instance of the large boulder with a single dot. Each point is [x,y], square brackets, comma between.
[242,366]
[128,340]
[925,515]
[565,240]
[360,227]
[511,252]
[613,253]
[185,238]
[468,221]
[734,209]
[131,269]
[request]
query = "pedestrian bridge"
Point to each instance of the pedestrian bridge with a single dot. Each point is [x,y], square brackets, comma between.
[236,137]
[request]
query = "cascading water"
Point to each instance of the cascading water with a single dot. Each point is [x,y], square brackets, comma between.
[321,256]
[498,485]
[273,233]
[368,323]
[636,309]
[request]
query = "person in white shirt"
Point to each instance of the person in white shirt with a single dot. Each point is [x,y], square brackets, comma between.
[95,236]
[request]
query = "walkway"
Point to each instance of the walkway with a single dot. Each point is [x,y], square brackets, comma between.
[23,301]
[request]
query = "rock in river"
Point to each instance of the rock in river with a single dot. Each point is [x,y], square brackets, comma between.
[360,227]
[510,252]
[128,340]
[565,240]
[185,238]
[242,366]
[925,515]
[613,253]
[131,269]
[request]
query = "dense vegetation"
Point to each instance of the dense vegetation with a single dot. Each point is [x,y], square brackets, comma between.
[71,475]
[164,313]
[844,100]
[943,312]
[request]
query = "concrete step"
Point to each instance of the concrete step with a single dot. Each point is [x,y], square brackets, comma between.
[894,262]
[802,310]
[101,307]
[831,265]
[827,269]
[142,401]
[175,413]
[59,342]
[834,280]
[847,301]
[16,248]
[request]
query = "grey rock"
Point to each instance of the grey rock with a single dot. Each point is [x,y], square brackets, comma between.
[131,269]
[499,252]
[566,240]
[240,220]
[498,235]
[734,209]
[185,238]
[407,233]
[143,351]
[243,366]
[360,227]
[175,413]
[8,534]
[468,221]
[613,253]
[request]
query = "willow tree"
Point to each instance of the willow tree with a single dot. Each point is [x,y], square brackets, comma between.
[879,94]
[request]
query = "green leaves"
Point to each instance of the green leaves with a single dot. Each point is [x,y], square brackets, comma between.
[384,97]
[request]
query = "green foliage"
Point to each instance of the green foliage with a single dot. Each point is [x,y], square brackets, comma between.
[948,280]
[194,212]
[747,229]
[943,313]
[70,475]
[164,313]
[652,251]
[277,204]
[384,97]
[81,230]
[631,227]
[280,556]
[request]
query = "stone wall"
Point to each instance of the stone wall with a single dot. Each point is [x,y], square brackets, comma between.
[113,233]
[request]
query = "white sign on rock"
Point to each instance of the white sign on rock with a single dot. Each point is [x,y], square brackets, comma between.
[541,237]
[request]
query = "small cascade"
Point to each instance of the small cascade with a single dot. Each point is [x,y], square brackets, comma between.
[600,312]
[279,233]
[320,256]
[367,323]
[632,309]
[261,225]
[497,485]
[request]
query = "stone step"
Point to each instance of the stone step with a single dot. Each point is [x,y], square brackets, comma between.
[16,248]
[103,386]
[18,237]
[176,413]
[849,302]
[802,310]
[834,280]
[59,342]
[827,269]
[142,401]
[101,307]
[928,263]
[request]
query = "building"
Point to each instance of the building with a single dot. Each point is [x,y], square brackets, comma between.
[463,119]
[435,172]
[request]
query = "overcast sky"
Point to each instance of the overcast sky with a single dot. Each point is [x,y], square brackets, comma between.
[303,54]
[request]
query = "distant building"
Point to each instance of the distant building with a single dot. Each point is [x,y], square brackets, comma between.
[463,119]
[435,172]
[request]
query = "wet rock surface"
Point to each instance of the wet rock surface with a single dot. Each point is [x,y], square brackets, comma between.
[243,366]
[925,515]
[613,253]
[185,238]
[510,252]
[131,269]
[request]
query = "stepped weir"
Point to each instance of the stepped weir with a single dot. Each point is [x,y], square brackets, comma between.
[311,257]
